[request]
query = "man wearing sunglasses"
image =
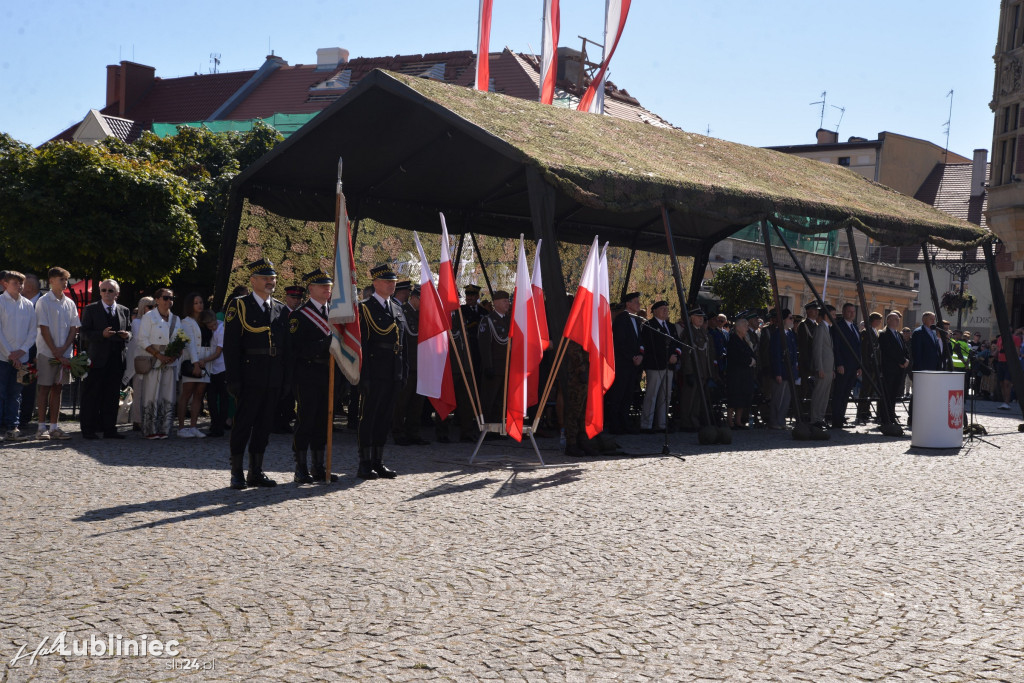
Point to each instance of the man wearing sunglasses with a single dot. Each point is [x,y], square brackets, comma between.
[106,329]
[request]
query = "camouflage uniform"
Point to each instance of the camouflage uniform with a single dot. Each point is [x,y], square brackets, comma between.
[576,369]
[691,413]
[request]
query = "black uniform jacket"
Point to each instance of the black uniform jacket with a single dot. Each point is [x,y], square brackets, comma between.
[254,342]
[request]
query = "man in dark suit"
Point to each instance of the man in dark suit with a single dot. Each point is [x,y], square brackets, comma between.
[925,345]
[106,329]
[255,329]
[847,361]
[895,361]
[629,354]
[804,341]
[385,370]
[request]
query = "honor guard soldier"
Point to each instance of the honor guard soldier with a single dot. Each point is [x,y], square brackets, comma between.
[385,369]
[493,339]
[472,314]
[309,353]
[285,415]
[409,406]
[255,329]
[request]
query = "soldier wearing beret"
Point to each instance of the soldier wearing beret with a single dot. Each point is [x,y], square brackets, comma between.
[255,329]
[309,353]
[493,339]
[409,406]
[385,369]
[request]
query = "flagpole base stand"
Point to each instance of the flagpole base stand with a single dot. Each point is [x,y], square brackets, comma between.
[499,428]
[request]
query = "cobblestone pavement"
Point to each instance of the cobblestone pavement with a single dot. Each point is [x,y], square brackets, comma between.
[861,558]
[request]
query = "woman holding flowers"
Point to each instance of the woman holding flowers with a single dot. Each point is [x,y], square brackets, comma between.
[158,327]
[197,352]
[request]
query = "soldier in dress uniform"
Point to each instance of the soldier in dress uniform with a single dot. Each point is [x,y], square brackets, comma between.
[385,369]
[255,330]
[805,332]
[309,353]
[698,368]
[473,313]
[493,340]
[293,295]
[409,406]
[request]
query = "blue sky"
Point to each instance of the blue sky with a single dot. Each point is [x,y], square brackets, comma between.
[748,69]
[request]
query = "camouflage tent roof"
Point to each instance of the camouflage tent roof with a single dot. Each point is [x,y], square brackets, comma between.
[413,146]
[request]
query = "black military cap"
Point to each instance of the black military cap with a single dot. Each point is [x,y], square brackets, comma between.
[415,291]
[294,290]
[629,297]
[471,289]
[698,311]
[317,277]
[658,304]
[383,272]
[812,306]
[262,267]
[501,294]
[402,285]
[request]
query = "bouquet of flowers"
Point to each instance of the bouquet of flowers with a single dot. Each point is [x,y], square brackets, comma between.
[27,374]
[177,344]
[78,366]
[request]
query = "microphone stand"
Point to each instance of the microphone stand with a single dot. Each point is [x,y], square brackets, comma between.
[665,450]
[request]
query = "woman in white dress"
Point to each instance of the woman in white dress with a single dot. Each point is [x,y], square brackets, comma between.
[146,305]
[193,385]
[157,328]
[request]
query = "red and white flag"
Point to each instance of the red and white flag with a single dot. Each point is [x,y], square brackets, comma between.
[346,344]
[434,371]
[614,22]
[524,352]
[604,311]
[446,287]
[483,42]
[585,327]
[549,52]
[538,300]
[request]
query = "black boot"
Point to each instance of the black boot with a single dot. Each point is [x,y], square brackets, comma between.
[256,476]
[378,464]
[365,464]
[301,473]
[237,475]
[319,473]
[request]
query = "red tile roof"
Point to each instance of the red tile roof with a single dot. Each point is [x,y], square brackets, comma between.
[190,98]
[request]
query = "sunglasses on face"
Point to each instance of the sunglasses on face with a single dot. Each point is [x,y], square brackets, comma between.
[150,307]
[108,291]
[167,298]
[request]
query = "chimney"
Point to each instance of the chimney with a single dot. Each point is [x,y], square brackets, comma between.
[329,58]
[134,82]
[113,83]
[826,137]
[979,172]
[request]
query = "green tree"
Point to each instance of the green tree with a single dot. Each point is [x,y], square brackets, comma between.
[94,212]
[743,285]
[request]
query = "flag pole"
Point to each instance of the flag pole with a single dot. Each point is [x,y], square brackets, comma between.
[462,370]
[555,366]
[504,394]
[330,365]
[472,371]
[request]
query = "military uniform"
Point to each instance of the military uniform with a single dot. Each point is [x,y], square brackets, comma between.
[385,369]
[576,367]
[286,415]
[472,315]
[409,406]
[493,340]
[698,367]
[254,342]
[309,354]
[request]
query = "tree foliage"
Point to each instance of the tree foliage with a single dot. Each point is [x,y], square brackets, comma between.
[94,212]
[742,285]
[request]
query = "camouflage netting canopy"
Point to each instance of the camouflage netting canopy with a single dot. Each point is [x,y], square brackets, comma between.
[412,147]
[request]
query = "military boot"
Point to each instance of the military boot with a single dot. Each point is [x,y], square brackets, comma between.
[365,464]
[256,475]
[237,474]
[378,464]
[319,472]
[301,473]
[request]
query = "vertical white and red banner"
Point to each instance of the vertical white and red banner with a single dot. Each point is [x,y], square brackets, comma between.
[604,313]
[434,371]
[446,287]
[346,345]
[483,43]
[588,327]
[614,22]
[537,287]
[549,52]
[525,351]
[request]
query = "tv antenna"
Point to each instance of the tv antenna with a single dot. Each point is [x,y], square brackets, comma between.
[842,113]
[824,98]
[707,132]
[946,125]
[215,61]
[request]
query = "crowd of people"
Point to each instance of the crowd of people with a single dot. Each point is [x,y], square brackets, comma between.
[260,365]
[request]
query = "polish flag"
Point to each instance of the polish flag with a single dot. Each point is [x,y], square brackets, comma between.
[584,327]
[549,52]
[524,352]
[614,22]
[538,300]
[446,287]
[434,371]
[483,42]
[604,310]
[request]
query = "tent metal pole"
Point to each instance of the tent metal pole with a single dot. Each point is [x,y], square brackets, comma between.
[876,378]
[779,325]
[700,264]
[480,260]
[629,266]
[931,282]
[1003,318]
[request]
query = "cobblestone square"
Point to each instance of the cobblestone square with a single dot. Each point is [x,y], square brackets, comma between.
[860,558]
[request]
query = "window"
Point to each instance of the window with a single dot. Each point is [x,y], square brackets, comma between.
[844,161]
[1006,119]
[1013,32]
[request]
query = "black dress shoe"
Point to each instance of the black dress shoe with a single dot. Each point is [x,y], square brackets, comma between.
[261,480]
[90,435]
[237,481]
[114,435]
[321,477]
[383,472]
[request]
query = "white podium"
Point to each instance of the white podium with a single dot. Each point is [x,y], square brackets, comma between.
[938,409]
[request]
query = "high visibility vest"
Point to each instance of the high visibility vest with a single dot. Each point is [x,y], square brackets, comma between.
[961,352]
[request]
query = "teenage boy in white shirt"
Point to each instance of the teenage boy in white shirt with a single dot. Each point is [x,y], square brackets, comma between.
[57,317]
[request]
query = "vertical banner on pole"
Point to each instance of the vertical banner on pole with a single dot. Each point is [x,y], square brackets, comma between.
[549,52]
[615,21]
[483,41]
